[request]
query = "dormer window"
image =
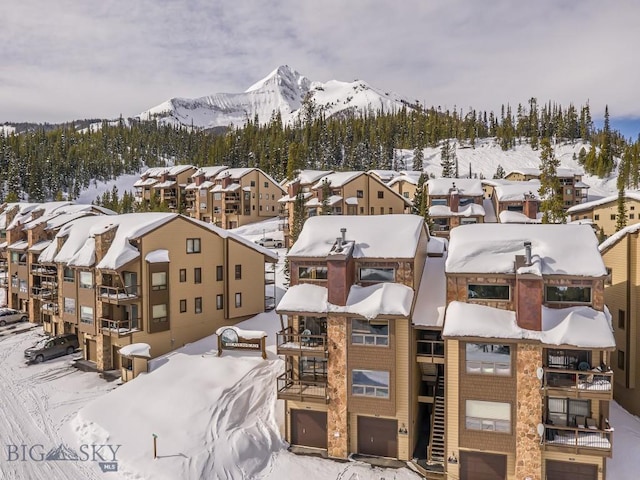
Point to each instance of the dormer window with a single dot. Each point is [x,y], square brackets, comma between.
[566,294]
[488,292]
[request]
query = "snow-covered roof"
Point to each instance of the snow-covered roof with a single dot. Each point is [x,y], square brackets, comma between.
[246,334]
[229,188]
[515,191]
[157,256]
[466,186]
[432,294]
[628,195]
[576,326]
[287,198]
[351,200]
[561,172]
[507,216]
[613,239]
[19,246]
[146,182]
[375,236]
[167,184]
[307,177]
[369,302]
[384,175]
[471,210]
[40,246]
[337,179]
[437,245]
[136,350]
[405,177]
[209,171]
[556,249]
[489,211]
[332,200]
[234,173]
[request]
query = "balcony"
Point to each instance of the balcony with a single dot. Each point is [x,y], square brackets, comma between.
[312,390]
[290,342]
[590,440]
[429,347]
[190,196]
[37,269]
[119,295]
[594,384]
[4,282]
[119,328]
[232,198]
[42,292]
[50,308]
[232,211]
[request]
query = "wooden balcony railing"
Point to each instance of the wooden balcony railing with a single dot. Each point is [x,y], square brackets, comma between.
[118,327]
[50,308]
[430,348]
[42,292]
[580,383]
[313,390]
[290,342]
[118,294]
[579,440]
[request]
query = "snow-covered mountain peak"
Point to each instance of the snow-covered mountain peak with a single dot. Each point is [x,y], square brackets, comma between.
[284,77]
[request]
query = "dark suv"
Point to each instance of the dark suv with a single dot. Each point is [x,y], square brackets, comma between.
[52,347]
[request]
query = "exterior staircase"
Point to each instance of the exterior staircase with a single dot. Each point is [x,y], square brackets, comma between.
[436,452]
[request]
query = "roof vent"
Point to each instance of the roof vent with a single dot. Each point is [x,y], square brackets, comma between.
[343,231]
[527,253]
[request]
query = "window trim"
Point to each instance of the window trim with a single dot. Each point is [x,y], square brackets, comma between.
[197,307]
[487,368]
[194,245]
[313,272]
[183,305]
[197,275]
[219,301]
[489,299]
[163,319]
[159,286]
[485,421]
[183,275]
[360,268]
[238,271]
[219,273]
[83,319]
[373,336]
[374,387]
[238,298]
[85,285]
[546,295]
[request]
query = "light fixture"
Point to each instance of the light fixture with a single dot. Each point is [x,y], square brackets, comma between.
[403,429]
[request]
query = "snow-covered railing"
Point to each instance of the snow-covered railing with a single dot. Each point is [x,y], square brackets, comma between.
[290,342]
[290,388]
[119,327]
[118,294]
[577,440]
[582,383]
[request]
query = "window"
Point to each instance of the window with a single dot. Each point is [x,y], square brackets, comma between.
[219,273]
[183,305]
[515,208]
[219,302]
[273,197]
[159,281]
[563,411]
[596,217]
[159,313]
[266,184]
[370,383]
[238,272]
[86,280]
[370,332]
[197,275]
[15,257]
[464,201]
[380,194]
[312,273]
[568,191]
[183,275]
[632,216]
[198,303]
[217,196]
[68,275]
[632,208]
[377,274]
[253,183]
[613,216]
[438,201]
[488,359]
[381,210]
[193,245]
[238,300]
[488,416]
[86,315]
[359,193]
[70,305]
[568,359]
[568,294]
[405,194]
[621,362]
[390,210]
[488,292]
[621,319]
[609,279]
[468,220]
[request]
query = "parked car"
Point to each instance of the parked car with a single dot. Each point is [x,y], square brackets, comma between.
[270,242]
[9,315]
[52,347]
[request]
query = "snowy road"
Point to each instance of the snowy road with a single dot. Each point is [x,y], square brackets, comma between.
[37,402]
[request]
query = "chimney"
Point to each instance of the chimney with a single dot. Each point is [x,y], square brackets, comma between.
[528,294]
[293,188]
[340,274]
[454,199]
[527,253]
[163,177]
[226,181]
[199,179]
[343,231]
[530,206]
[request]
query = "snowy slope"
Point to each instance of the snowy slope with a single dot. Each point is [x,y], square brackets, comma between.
[7,130]
[283,90]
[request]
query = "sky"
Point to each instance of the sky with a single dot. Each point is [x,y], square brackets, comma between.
[71,59]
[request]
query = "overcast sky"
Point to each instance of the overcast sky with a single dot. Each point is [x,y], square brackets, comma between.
[63,60]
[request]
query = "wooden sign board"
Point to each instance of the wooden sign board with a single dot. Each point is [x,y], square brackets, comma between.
[230,338]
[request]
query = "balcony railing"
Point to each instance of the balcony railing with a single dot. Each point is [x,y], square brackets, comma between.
[578,383]
[119,327]
[41,292]
[4,282]
[579,440]
[430,348]
[290,342]
[118,294]
[232,198]
[38,269]
[50,308]
[313,390]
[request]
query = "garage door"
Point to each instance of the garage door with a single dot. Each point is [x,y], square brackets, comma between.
[482,466]
[309,428]
[571,471]
[378,436]
[91,350]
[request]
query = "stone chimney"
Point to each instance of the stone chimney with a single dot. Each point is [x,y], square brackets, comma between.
[199,179]
[529,294]
[294,188]
[340,271]
[530,206]
[163,177]
[37,234]
[37,213]
[11,214]
[454,199]
[226,181]
[104,240]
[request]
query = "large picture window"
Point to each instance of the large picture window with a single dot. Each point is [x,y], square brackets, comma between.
[370,332]
[370,383]
[488,416]
[568,294]
[68,275]
[70,305]
[563,411]
[86,315]
[86,280]
[488,292]
[312,273]
[379,275]
[159,281]
[488,359]
[159,313]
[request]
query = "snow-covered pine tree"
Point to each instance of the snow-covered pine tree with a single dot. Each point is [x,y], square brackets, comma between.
[550,188]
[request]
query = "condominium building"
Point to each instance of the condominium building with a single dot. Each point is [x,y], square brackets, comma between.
[528,343]
[574,190]
[168,184]
[159,279]
[405,184]
[622,287]
[453,202]
[603,213]
[197,193]
[513,201]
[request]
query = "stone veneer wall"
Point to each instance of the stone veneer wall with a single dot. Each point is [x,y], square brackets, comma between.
[528,413]
[337,416]
[103,345]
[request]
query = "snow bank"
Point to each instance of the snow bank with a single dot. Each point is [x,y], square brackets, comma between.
[157,256]
[136,350]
